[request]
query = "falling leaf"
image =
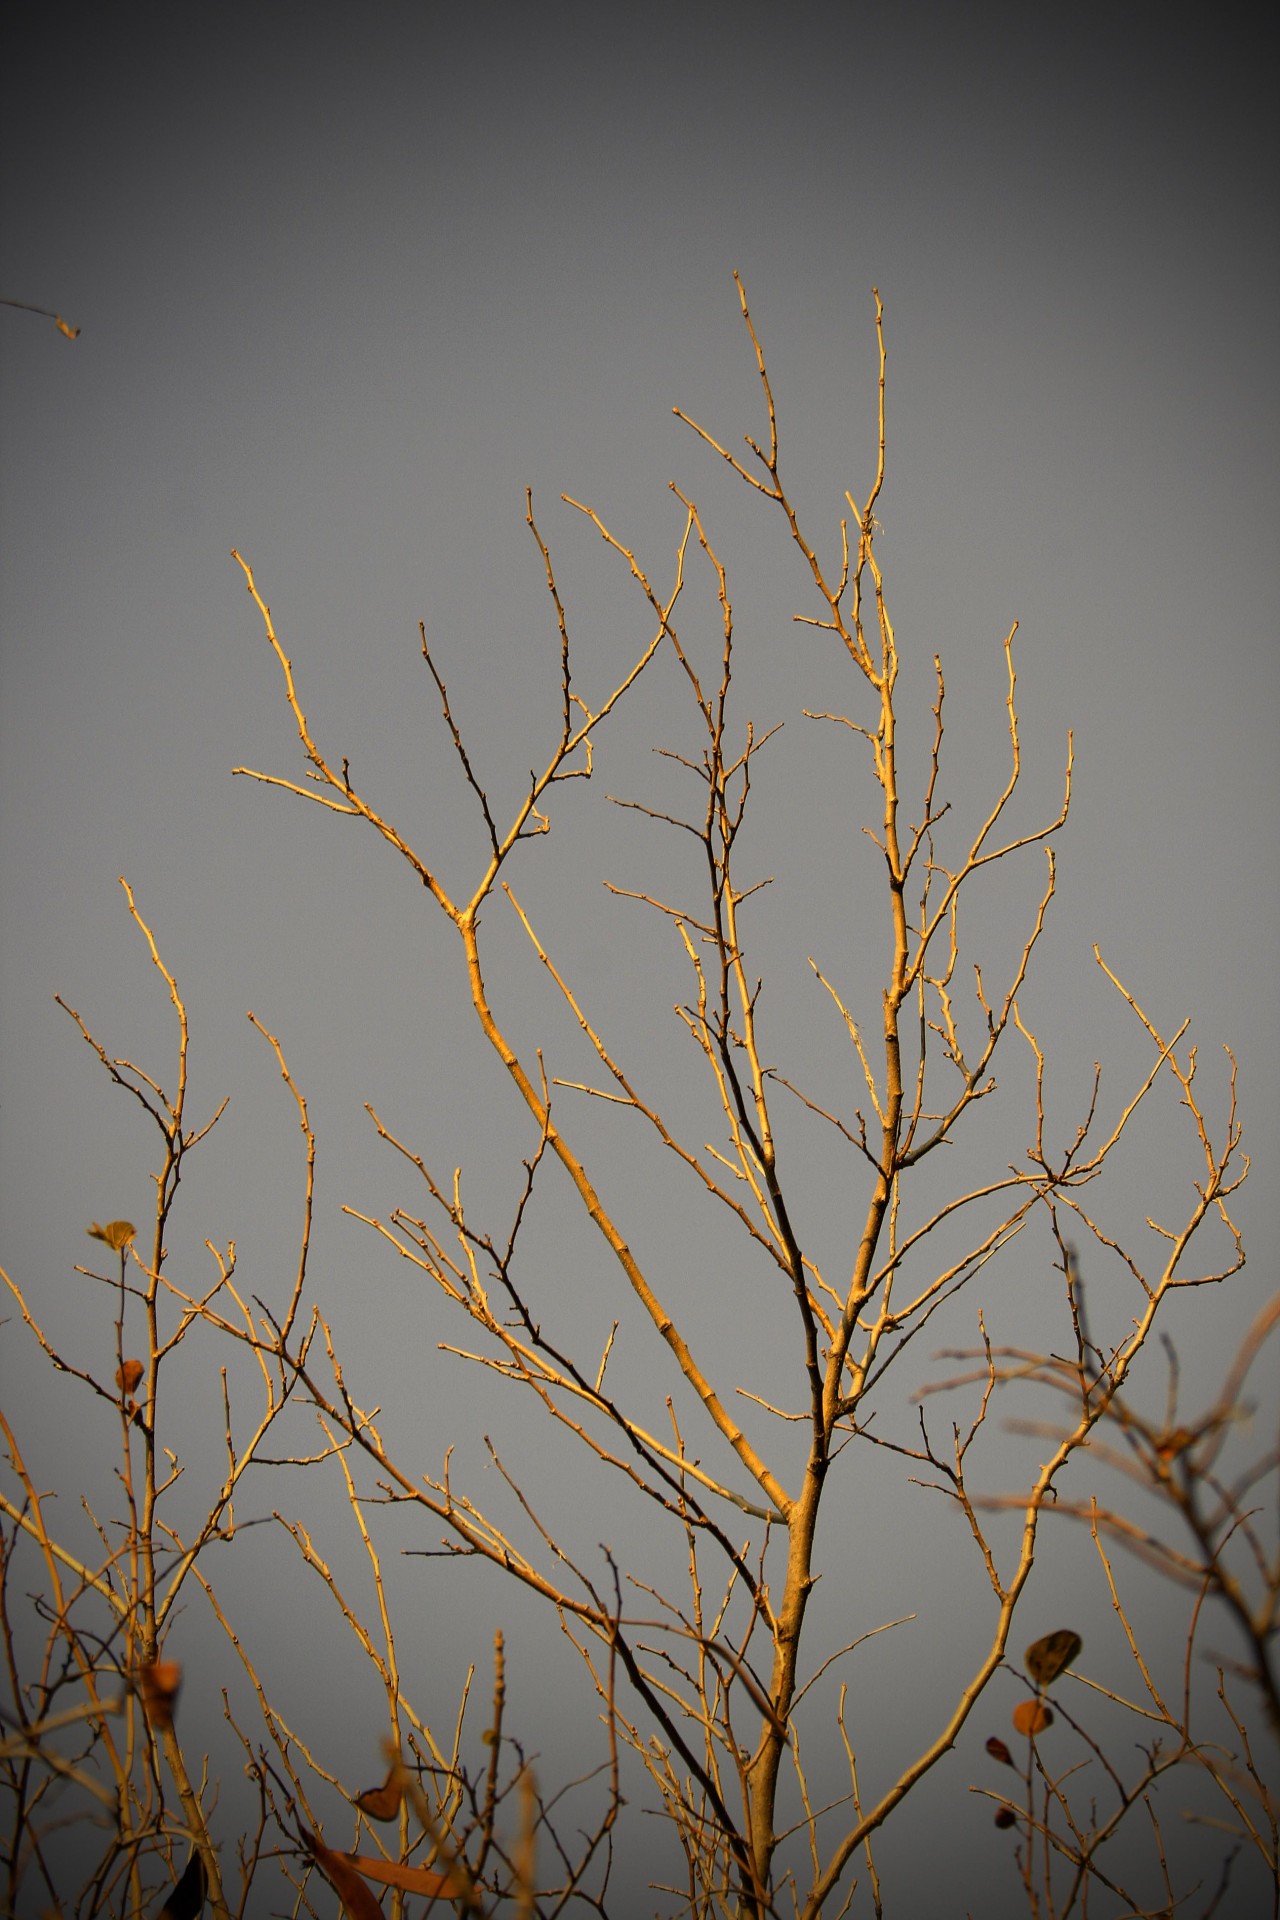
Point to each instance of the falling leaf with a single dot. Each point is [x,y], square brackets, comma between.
[1032,1716]
[1006,1817]
[998,1751]
[186,1902]
[357,1899]
[128,1375]
[72,333]
[158,1684]
[1049,1657]
[116,1233]
[383,1803]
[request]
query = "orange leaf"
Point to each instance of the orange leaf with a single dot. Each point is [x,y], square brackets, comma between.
[1032,1716]
[356,1898]
[158,1684]
[129,1375]
[409,1879]
[1049,1657]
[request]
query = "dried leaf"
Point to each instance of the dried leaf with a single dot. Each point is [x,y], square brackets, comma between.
[389,1873]
[357,1899]
[383,1803]
[1006,1817]
[158,1684]
[129,1376]
[186,1902]
[1047,1658]
[116,1233]
[1032,1716]
[72,333]
[998,1751]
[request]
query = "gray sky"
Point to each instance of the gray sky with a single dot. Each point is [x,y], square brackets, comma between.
[347,282]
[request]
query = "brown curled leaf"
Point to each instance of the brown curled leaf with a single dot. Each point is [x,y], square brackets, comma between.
[1047,1658]
[1006,1817]
[158,1685]
[186,1902]
[998,1751]
[1032,1716]
[383,1803]
[129,1376]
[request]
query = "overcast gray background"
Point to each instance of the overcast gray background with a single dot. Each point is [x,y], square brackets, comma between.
[348,280]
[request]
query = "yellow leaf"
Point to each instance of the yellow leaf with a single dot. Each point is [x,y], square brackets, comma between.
[116,1233]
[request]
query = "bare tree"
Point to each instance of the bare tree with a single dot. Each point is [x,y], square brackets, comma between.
[708,1677]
